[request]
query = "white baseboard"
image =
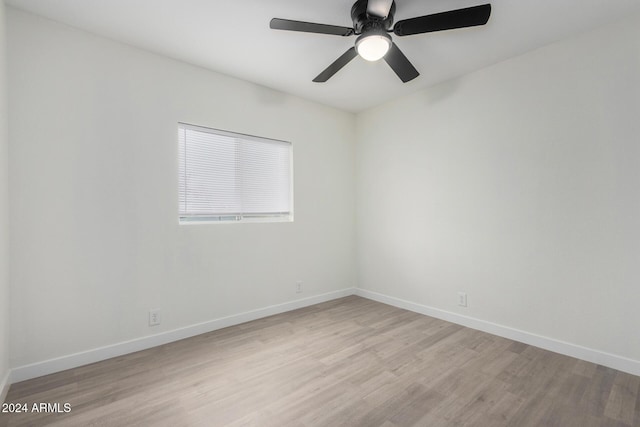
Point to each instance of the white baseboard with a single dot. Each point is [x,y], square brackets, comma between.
[4,386]
[590,355]
[46,367]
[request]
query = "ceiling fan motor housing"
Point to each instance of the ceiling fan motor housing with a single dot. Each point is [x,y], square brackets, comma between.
[363,22]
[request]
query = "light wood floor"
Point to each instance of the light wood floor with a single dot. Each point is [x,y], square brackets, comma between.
[349,362]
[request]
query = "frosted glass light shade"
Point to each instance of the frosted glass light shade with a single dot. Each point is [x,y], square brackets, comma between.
[373,47]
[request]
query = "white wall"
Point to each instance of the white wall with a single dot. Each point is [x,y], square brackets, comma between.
[4,215]
[95,236]
[519,185]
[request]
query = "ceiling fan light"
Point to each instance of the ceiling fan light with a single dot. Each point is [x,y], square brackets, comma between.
[373,47]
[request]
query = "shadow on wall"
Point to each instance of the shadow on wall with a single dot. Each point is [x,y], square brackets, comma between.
[267,96]
[440,92]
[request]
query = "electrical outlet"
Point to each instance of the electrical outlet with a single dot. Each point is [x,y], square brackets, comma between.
[154,317]
[462,299]
[298,287]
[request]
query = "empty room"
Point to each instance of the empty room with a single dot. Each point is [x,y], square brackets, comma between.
[299,213]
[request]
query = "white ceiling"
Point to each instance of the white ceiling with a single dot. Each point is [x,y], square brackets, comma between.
[233,37]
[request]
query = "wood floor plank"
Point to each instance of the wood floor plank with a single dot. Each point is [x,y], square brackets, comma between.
[622,399]
[596,395]
[347,362]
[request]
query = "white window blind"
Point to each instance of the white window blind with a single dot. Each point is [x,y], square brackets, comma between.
[225,176]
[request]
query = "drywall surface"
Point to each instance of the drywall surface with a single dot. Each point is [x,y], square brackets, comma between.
[93,165]
[518,185]
[4,211]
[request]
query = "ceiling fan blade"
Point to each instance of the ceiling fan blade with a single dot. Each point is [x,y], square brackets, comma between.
[309,27]
[379,8]
[336,66]
[459,18]
[400,64]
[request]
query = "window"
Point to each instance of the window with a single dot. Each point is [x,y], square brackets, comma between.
[225,176]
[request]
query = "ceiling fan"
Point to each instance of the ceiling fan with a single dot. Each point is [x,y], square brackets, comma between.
[372,21]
